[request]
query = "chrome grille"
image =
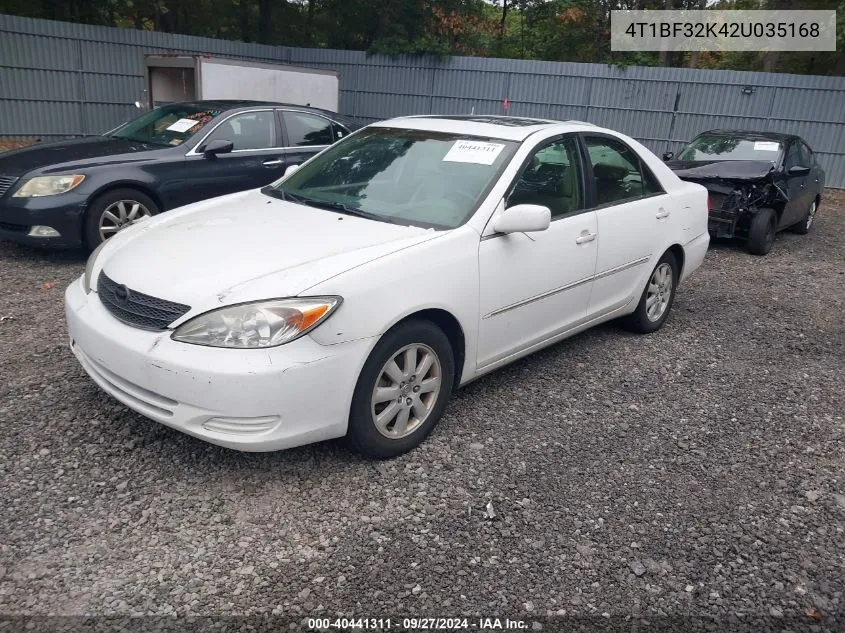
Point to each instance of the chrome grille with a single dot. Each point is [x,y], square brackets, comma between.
[135,308]
[6,182]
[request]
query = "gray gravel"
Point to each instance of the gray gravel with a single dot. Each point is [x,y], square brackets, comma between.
[695,472]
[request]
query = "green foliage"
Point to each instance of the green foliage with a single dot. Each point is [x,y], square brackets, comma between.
[559,30]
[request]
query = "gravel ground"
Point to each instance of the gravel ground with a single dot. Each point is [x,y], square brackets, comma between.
[699,471]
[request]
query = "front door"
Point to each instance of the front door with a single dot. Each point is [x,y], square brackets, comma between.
[798,190]
[536,285]
[256,158]
[632,212]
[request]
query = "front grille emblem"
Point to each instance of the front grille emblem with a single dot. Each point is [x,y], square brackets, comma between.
[121,293]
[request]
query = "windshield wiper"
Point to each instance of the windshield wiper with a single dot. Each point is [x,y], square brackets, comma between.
[330,205]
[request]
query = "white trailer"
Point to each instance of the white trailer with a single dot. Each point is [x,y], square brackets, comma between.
[198,77]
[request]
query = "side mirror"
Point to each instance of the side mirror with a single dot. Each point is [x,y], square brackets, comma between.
[523,218]
[220,146]
[290,169]
[798,170]
[668,155]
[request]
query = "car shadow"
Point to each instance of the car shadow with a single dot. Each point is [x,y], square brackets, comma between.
[14,251]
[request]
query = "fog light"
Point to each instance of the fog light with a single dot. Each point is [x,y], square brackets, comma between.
[43,231]
[242,426]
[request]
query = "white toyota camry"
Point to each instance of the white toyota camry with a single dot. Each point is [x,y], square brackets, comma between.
[352,297]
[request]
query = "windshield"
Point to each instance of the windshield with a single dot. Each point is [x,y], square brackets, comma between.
[427,179]
[168,125]
[712,148]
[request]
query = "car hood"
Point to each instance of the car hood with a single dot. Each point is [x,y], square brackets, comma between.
[81,152]
[244,247]
[722,170]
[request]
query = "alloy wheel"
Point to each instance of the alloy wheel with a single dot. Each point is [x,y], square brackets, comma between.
[811,215]
[659,292]
[119,215]
[406,391]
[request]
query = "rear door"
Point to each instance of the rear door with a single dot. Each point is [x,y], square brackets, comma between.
[307,133]
[633,215]
[255,159]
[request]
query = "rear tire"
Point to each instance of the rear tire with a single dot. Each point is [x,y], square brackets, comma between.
[803,227]
[123,207]
[657,298]
[761,233]
[402,390]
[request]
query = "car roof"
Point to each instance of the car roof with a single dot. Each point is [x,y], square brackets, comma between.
[235,104]
[488,126]
[753,135]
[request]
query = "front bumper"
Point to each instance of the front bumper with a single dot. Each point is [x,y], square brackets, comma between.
[249,400]
[64,213]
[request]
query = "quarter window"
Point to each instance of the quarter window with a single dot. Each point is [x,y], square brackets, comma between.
[308,129]
[250,130]
[551,179]
[618,172]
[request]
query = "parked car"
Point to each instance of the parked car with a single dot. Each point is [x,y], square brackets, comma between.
[759,183]
[81,192]
[354,295]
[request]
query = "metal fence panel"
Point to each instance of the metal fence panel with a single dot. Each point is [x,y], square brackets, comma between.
[60,79]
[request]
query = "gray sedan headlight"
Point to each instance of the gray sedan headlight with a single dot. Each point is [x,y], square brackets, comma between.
[257,325]
[48,185]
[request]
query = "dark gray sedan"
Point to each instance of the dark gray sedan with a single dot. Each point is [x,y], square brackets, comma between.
[759,183]
[80,192]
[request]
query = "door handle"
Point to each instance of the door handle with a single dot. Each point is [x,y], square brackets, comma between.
[662,214]
[585,237]
[272,163]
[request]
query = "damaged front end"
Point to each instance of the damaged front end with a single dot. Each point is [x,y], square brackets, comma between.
[738,189]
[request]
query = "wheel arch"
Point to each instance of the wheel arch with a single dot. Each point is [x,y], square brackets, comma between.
[112,186]
[680,256]
[451,327]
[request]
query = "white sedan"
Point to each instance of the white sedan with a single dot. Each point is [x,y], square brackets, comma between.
[352,297]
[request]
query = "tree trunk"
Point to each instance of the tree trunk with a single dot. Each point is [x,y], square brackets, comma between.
[309,23]
[244,20]
[770,61]
[839,69]
[265,20]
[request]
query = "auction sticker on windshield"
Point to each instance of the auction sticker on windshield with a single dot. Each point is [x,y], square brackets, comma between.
[767,146]
[479,152]
[182,125]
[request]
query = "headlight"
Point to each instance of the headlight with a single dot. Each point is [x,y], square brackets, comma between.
[257,325]
[48,186]
[89,268]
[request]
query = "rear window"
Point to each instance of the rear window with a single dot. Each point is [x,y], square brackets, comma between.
[712,148]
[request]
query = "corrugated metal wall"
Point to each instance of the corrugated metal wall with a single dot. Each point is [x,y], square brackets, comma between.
[59,79]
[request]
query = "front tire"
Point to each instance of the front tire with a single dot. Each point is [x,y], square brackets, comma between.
[657,298]
[402,390]
[114,210]
[761,234]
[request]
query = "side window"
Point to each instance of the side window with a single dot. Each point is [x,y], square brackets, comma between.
[806,155]
[552,179]
[618,172]
[251,130]
[308,129]
[793,155]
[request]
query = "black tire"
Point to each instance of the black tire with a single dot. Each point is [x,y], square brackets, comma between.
[91,229]
[803,227]
[761,233]
[363,434]
[640,321]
